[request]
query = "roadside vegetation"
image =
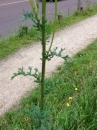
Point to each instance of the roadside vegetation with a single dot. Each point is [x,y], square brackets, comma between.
[71,95]
[68,99]
[13,43]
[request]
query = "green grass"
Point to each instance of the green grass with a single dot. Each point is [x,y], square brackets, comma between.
[13,43]
[81,73]
[10,45]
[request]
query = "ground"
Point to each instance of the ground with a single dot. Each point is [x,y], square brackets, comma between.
[73,39]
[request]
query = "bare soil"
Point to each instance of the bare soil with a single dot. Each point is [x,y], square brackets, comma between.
[73,38]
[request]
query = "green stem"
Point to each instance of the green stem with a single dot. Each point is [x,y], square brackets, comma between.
[54,26]
[43,53]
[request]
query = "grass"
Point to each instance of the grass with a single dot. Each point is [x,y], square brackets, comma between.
[70,95]
[13,43]
[10,45]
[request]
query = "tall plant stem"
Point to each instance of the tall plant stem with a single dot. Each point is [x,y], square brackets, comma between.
[43,53]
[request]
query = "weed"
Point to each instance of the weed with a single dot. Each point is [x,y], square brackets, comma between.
[75,84]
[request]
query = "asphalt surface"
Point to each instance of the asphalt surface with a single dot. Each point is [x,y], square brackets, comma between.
[11,12]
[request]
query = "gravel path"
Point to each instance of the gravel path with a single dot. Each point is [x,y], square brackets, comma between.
[73,38]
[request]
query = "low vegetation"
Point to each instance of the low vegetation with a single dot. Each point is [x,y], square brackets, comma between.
[70,101]
[70,98]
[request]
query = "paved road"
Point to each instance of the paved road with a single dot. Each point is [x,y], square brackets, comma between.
[11,12]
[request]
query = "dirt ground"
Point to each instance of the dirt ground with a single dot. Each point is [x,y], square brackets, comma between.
[73,39]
